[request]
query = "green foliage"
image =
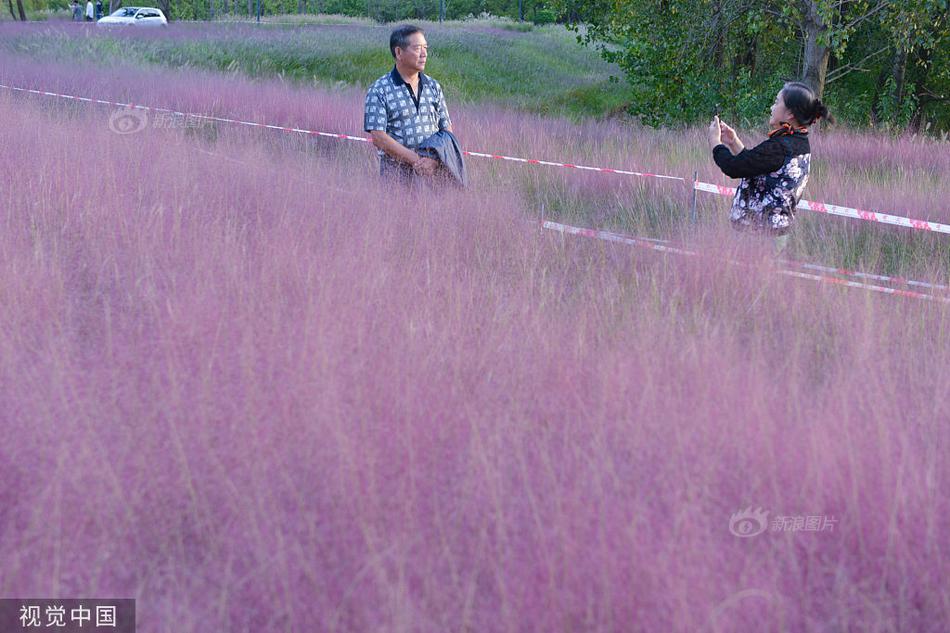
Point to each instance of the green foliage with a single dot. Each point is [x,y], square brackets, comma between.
[544,16]
[894,110]
[885,61]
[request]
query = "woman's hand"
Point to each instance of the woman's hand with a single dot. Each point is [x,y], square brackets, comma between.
[728,134]
[715,132]
[730,139]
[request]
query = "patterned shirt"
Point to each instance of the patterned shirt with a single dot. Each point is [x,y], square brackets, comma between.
[409,119]
[774,175]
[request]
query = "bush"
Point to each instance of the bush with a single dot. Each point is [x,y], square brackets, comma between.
[544,16]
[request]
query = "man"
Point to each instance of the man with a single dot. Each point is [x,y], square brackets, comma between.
[405,107]
[90,11]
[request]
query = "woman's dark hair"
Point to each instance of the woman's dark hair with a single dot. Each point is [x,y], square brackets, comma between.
[801,100]
[400,37]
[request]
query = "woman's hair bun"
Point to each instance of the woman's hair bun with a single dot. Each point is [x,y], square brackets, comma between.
[821,112]
[804,104]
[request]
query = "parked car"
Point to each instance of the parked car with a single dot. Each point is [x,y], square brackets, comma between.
[135,16]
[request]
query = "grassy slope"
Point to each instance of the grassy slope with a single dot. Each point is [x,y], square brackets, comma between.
[543,70]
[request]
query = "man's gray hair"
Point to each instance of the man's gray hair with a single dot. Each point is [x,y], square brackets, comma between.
[400,37]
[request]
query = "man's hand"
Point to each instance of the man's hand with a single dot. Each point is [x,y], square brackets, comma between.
[425,166]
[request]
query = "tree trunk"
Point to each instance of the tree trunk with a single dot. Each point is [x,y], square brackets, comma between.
[923,63]
[12,14]
[816,52]
[876,115]
[19,6]
[900,75]
[300,6]
[718,35]
[250,8]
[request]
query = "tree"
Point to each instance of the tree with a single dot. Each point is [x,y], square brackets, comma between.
[682,56]
[920,32]
[826,27]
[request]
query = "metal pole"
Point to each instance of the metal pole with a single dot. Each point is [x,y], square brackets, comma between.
[692,208]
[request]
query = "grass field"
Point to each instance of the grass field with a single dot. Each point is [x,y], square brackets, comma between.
[252,387]
[543,70]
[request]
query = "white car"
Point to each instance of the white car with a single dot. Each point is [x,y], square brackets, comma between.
[135,16]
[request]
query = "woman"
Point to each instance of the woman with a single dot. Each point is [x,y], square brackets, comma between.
[774,172]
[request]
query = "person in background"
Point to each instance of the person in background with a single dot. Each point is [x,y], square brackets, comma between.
[77,11]
[774,173]
[90,11]
[98,10]
[405,107]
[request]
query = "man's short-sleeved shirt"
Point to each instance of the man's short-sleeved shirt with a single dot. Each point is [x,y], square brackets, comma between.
[391,108]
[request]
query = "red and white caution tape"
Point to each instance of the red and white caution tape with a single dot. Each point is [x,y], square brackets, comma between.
[819,207]
[711,188]
[193,115]
[848,212]
[664,247]
[857,284]
[607,236]
[637,241]
[346,137]
[870,276]
[603,170]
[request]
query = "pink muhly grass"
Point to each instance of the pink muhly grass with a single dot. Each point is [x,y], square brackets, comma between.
[257,391]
